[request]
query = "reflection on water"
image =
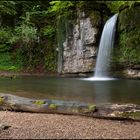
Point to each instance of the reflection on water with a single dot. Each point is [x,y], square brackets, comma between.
[104,90]
[116,91]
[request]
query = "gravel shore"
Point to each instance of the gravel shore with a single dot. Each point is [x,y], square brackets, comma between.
[53,126]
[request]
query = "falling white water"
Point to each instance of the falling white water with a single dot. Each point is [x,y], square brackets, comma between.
[104,52]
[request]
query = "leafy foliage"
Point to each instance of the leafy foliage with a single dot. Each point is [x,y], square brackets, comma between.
[7,63]
[8,7]
[31,42]
[115,5]
[5,36]
[26,33]
[48,31]
[60,6]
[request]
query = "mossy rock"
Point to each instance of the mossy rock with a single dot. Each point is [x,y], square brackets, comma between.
[129,36]
[129,4]
[95,18]
[118,111]
[129,47]
[130,39]
[129,19]
[123,6]
[129,114]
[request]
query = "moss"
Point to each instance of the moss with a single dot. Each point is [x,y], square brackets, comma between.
[50,59]
[91,107]
[129,34]
[130,38]
[129,47]
[129,18]
[1,100]
[95,18]
[133,115]
[52,106]
[39,102]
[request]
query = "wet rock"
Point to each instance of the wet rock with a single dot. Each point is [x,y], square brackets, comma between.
[79,48]
[118,111]
[79,52]
[132,73]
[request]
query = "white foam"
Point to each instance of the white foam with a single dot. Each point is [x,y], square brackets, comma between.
[98,79]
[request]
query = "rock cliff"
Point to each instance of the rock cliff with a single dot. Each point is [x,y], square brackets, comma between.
[81,42]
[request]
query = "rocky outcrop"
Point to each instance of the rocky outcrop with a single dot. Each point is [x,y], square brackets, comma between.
[81,41]
[131,73]
[80,51]
[118,111]
[129,39]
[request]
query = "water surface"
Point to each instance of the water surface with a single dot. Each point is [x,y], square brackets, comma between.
[39,87]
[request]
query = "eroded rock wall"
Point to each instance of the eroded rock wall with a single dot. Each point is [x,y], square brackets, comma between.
[80,51]
[81,42]
[129,39]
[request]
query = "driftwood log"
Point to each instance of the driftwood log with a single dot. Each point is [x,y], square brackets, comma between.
[109,111]
[15,103]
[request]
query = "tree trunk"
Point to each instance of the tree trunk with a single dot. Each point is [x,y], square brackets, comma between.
[108,111]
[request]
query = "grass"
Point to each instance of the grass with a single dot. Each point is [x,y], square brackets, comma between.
[7,64]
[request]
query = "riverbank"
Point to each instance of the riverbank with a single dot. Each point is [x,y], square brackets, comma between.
[12,74]
[48,74]
[52,126]
[118,74]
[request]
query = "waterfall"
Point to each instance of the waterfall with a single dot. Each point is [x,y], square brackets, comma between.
[104,52]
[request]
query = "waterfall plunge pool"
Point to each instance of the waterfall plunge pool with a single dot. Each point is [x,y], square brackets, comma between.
[41,87]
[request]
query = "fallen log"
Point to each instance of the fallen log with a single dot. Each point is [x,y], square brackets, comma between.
[107,111]
[15,103]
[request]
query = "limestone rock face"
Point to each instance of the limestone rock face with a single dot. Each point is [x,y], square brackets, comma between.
[131,73]
[79,38]
[81,43]
[79,51]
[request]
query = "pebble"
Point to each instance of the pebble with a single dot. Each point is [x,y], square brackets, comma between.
[53,126]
